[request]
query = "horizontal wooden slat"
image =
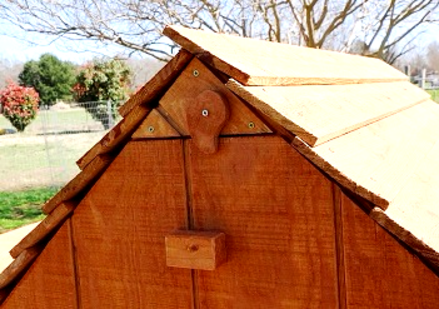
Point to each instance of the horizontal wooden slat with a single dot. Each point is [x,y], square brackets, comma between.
[255,62]
[320,113]
[52,221]
[158,83]
[377,160]
[83,180]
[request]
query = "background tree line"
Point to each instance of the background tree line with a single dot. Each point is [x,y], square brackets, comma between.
[105,82]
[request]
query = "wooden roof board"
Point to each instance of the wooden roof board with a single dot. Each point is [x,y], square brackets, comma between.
[256,62]
[319,113]
[377,160]
[416,206]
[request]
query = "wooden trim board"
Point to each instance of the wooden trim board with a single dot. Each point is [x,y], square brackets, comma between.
[155,87]
[83,180]
[115,137]
[51,222]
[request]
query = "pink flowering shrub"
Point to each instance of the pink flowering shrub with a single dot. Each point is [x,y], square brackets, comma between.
[19,105]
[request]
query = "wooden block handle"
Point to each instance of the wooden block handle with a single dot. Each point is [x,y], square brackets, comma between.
[203,250]
[206,117]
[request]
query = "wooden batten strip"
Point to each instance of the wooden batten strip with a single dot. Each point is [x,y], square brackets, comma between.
[117,136]
[83,180]
[18,266]
[280,64]
[425,251]
[336,175]
[156,85]
[51,222]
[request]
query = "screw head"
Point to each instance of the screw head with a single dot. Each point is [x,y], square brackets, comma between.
[196,73]
[251,125]
[151,129]
[205,112]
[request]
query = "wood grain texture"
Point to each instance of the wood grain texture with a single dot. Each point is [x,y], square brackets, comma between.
[117,136]
[18,266]
[49,283]
[205,119]
[203,250]
[41,231]
[187,86]
[380,272]
[82,181]
[277,212]
[158,83]
[377,161]
[320,113]
[263,63]
[155,126]
[126,215]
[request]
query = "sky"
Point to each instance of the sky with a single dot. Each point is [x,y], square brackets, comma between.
[20,50]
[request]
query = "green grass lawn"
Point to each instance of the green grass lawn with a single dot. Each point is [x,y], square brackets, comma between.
[434,95]
[22,207]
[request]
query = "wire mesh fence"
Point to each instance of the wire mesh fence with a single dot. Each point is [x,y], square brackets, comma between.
[46,152]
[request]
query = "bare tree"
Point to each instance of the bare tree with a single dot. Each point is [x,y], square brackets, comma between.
[9,70]
[383,27]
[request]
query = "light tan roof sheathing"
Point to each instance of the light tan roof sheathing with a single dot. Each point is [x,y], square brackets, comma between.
[263,63]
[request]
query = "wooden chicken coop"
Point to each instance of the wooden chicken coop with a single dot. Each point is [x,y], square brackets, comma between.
[247,174]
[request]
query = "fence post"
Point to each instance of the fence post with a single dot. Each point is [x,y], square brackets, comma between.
[110,115]
[424,74]
[407,70]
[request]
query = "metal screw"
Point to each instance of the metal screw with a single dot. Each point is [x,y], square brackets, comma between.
[196,73]
[205,112]
[150,129]
[251,125]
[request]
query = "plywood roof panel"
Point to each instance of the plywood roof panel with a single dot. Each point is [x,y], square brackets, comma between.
[255,62]
[320,113]
[378,160]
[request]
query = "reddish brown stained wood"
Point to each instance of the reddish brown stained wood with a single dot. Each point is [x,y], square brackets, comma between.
[49,282]
[18,266]
[83,180]
[155,126]
[338,224]
[127,214]
[417,244]
[205,119]
[155,87]
[116,136]
[188,85]
[277,212]
[205,250]
[52,221]
[318,114]
[255,62]
[380,272]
